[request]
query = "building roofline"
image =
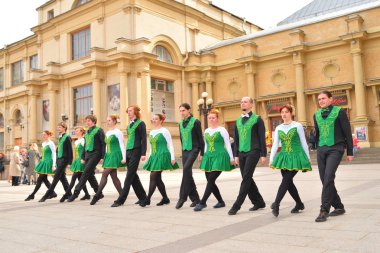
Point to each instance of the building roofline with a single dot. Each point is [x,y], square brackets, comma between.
[294,25]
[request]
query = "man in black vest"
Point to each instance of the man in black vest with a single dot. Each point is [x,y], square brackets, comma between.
[94,151]
[249,149]
[64,158]
[136,150]
[333,134]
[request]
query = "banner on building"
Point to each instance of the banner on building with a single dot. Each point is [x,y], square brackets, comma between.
[114,99]
[275,108]
[45,114]
[361,133]
[340,100]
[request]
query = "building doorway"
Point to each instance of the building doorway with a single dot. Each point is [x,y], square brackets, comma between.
[274,122]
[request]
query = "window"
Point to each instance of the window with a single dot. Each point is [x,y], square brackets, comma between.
[162,54]
[50,14]
[81,43]
[33,62]
[18,117]
[82,103]
[162,99]
[17,72]
[80,2]
[1,120]
[1,140]
[1,78]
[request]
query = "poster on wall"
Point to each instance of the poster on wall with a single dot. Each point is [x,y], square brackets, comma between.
[113,92]
[361,133]
[45,114]
[163,103]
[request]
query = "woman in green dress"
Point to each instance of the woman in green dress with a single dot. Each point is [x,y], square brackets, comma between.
[161,158]
[46,166]
[218,157]
[77,167]
[114,157]
[293,157]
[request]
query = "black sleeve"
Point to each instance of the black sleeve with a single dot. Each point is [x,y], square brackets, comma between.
[180,135]
[316,131]
[102,142]
[346,128]
[199,136]
[261,133]
[143,139]
[236,142]
[69,150]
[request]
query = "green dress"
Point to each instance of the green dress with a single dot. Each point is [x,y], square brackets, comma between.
[113,156]
[216,157]
[292,155]
[46,164]
[76,165]
[160,158]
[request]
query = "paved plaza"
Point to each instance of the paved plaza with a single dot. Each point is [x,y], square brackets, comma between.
[78,227]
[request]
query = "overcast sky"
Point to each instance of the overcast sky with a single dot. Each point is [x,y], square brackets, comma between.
[18,16]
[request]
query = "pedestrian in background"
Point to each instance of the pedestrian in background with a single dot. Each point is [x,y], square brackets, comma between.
[14,167]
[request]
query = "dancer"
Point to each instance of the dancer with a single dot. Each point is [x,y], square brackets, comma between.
[113,159]
[333,133]
[94,150]
[250,148]
[192,144]
[161,158]
[293,157]
[46,166]
[217,158]
[77,167]
[64,158]
[136,150]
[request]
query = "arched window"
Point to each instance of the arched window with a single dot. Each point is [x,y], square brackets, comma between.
[162,54]
[78,3]
[18,117]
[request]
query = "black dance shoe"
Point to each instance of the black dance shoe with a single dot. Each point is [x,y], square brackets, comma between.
[64,197]
[30,197]
[199,207]
[194,203]
[180,203]
[145,202]
[116,204]
[94,199]
[73,197]
[322,216]
[219,205]
[275,209]
[257,207]
[299,206]
[52,195]
[44,198]
[164,201]
[337,212]
[86,197]
[233,211]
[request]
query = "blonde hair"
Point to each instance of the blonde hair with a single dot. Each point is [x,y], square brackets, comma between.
[34,147]
[214,111]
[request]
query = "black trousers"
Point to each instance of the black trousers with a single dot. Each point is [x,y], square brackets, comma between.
[15,180]
[59,175]
[188,187]
[287,184]
[247,163]
[133,159]
[42,178]
[211,187]
[91,160]
[328,159]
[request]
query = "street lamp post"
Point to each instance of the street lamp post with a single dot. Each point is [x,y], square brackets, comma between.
[205,105]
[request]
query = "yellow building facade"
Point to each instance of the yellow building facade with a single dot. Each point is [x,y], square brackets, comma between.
[101,55]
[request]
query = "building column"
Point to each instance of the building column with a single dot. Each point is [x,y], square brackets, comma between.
[209,89]
[300,87]
[250,73]
[52,111]
[123,99]
[360,99]
[96,91]
[145,98]
[32,127]
[194,96]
